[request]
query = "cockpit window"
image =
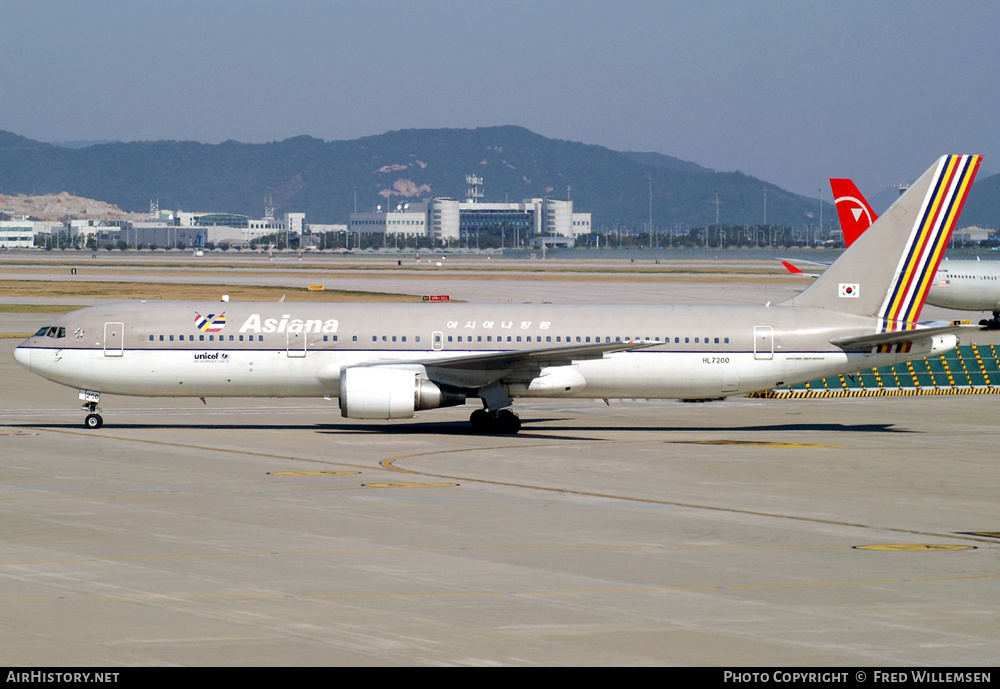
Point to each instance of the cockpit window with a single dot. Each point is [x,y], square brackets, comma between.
[51,331]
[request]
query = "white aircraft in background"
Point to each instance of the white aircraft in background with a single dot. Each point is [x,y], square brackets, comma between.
[390,361]
[963,285]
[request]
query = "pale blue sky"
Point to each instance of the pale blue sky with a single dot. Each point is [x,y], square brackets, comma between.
[791,92]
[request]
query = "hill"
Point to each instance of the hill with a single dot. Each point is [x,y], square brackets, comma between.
[323,178]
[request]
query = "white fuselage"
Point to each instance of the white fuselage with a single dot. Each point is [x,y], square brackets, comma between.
[967,286]
[175,349]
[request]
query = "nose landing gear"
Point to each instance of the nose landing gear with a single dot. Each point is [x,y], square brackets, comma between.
[94,419]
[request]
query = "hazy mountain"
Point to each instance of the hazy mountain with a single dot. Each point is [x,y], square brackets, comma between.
[669,162]
[323,178]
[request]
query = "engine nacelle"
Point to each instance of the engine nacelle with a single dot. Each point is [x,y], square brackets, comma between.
[378,392]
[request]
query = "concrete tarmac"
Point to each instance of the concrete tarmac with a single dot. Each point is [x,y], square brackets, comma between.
[744,532]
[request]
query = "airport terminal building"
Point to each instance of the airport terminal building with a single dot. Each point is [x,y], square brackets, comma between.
[446,219]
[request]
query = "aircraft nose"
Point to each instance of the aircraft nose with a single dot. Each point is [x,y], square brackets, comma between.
[22,355]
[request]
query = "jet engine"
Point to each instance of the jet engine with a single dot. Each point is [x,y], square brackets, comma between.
[378,392]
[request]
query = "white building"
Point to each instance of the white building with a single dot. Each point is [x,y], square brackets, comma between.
[447,219]
[16,234]
[410,219]
[295,223]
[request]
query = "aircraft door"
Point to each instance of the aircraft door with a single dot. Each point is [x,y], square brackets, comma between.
[763,342]
[114,336]
[437,340]
[296,345]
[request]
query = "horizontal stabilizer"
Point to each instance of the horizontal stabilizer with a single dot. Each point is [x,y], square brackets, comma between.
[795,270]
[899,336]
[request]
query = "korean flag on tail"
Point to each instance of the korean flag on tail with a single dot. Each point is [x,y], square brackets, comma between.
[849,290]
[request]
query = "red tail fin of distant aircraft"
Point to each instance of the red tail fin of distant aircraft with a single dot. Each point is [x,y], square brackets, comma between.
[856,215]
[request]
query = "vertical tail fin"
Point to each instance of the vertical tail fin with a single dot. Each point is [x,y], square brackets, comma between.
[855,214]
[888,270]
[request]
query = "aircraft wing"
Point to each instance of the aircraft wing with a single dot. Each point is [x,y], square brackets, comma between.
[479,370]
[899,336]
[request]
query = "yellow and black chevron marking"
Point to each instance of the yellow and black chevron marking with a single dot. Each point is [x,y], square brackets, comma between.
[965,370]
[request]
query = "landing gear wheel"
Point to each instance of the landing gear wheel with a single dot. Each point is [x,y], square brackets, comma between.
[507,422]
[93,421]
[480,420]
[502,422]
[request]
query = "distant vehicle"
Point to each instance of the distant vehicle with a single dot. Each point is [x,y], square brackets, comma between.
[390,361]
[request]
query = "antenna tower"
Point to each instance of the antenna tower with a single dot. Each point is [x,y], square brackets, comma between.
[475,193]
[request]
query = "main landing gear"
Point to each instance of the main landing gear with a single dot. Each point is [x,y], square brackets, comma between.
[495,417]
[501,422]
[993,323]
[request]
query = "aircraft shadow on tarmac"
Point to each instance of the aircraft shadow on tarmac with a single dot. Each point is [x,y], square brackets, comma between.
[531,428]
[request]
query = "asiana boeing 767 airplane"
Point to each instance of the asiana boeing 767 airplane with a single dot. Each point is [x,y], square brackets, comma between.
[390,361]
